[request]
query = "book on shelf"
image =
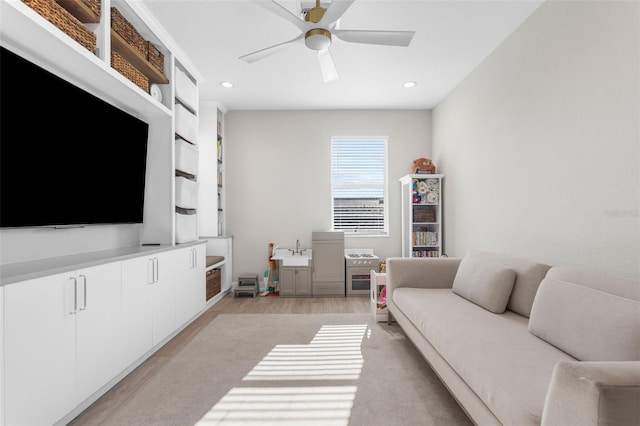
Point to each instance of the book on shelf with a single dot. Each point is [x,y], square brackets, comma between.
[425,253]
[424,238]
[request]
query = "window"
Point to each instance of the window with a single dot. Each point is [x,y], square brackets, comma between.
[359,185]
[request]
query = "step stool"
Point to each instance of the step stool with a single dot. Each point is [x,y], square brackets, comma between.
[247,284]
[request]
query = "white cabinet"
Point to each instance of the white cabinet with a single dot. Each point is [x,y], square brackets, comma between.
[422,215]
[148,306]
[163,288]
[99,327]
[161,293]
[62,342]
[40,357]
[190,286]
[138,275]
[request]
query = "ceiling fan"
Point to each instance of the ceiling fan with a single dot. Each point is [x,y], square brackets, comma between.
[319,28]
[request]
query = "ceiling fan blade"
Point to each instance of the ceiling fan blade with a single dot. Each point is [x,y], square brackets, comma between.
[385,38]
[335,11]
[282,12]
[329,72]
[267,51]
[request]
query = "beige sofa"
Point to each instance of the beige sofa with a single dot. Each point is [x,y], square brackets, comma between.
[522,343]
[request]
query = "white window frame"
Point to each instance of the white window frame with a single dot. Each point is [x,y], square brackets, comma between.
[384,232]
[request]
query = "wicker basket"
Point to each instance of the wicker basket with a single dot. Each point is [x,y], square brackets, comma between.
[154,56]
[213,283]
[61,18]
[424,215]
[127,31]
[125,68]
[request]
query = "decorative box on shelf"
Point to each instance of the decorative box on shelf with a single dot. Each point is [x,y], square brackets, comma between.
[61,18]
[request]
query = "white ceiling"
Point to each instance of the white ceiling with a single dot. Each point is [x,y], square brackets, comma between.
[452,38]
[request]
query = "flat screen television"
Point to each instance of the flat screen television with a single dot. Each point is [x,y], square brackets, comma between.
[67,157]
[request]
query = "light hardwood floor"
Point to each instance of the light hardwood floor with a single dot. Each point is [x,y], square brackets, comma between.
[121,392]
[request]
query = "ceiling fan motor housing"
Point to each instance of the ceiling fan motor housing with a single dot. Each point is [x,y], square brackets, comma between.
[317,39]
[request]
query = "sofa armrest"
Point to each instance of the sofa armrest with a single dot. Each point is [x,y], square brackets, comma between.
[438,272]
[593,393]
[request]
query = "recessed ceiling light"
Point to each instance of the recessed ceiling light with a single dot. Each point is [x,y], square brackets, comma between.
[226,84]
[410,84]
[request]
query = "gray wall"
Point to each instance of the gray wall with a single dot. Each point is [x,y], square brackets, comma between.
[278,176]
[540,144]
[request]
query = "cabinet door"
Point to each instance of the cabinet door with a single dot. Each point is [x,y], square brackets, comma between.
[287,281]
[99,325]
[164,309]
[191,291]
[40,350]
[303,281]
[137,302]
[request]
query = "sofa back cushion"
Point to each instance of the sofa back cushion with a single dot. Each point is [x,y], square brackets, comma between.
[484,283]
[610,284]
[587,323]
[529,274]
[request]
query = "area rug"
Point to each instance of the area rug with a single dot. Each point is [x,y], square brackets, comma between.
[293,369]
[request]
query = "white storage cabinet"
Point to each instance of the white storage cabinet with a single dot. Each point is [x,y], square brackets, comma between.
[62,342]
[190,282]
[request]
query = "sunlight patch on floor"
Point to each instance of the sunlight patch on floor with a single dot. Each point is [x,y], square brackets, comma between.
[308,405]
[333,354]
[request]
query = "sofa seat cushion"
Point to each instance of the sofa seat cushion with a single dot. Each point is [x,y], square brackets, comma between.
[485,283]
[506,366]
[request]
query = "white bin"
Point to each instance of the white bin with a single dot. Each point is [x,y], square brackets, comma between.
[186,124]
[186,193]
[186,89]
[186,157]
[186,228]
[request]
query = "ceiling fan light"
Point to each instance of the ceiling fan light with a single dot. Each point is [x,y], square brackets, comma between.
[317,39]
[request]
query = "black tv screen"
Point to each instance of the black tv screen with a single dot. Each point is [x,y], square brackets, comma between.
[67,157]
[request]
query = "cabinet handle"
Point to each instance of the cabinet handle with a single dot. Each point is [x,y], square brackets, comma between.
[157,268]
[75,297]
[84,286]
[153,273]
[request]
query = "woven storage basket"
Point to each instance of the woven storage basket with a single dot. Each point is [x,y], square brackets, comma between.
[127,31]
[61,18]
[154,56]
[424,215]
[213,283]
[125,68]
